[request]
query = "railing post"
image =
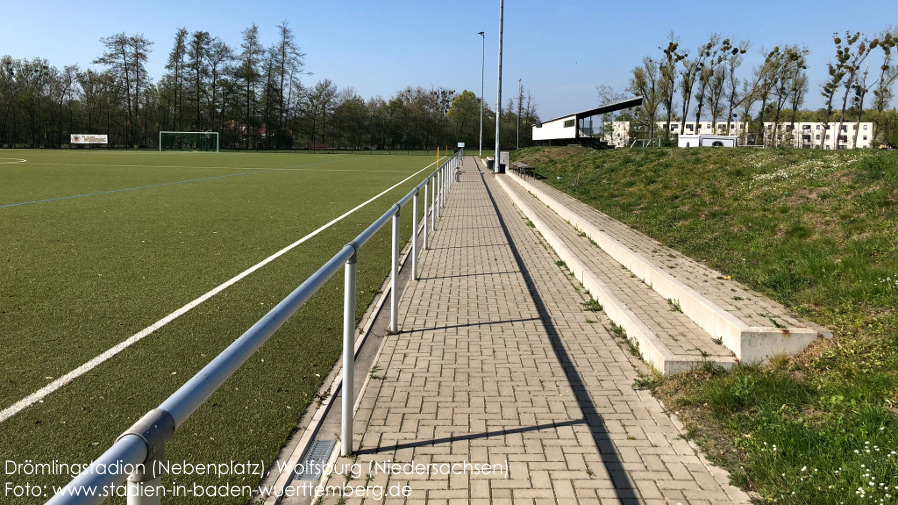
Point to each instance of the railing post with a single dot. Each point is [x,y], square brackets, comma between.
[433,202]
[415,236]
[426,222]
[139,483]
[348,351]
[394,288]
[448,182]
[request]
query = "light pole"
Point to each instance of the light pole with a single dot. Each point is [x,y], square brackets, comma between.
[482,62]
[520,99]
[496,165]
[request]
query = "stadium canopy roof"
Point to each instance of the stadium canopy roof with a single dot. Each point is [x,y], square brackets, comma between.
[609,107]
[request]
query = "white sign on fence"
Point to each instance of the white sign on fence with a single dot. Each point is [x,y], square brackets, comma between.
[90,139]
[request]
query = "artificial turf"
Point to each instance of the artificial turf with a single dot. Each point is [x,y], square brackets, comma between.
[82,274]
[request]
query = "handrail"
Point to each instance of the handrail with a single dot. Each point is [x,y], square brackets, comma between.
[134,452]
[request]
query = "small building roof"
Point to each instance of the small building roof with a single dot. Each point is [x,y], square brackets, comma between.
[609,107]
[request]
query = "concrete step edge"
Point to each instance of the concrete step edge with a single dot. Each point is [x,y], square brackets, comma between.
[750,344]
[651,347]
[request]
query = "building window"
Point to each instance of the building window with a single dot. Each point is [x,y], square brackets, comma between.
[689,127]
[569,123]
[865,137]
[844,128]
[818,127]
[806,127]
[818,137]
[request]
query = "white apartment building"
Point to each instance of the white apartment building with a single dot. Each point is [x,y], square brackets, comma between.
[803,135]
[811,135]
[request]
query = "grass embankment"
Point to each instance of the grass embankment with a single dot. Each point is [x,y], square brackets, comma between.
[816,231]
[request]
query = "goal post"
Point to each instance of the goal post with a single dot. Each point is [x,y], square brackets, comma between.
[188,141]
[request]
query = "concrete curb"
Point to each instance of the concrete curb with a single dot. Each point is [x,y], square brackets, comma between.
[651,347]
[749,344]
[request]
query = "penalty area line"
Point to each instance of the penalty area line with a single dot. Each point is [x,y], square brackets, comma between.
[43,392]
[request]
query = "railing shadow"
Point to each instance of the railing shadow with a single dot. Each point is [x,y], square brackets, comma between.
[469,325]
[470,436]
[437,277]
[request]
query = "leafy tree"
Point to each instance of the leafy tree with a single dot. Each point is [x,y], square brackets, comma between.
[644,82]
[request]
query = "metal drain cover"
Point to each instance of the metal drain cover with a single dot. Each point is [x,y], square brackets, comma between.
[316,458]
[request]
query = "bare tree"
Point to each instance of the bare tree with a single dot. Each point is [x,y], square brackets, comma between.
[197,66]
[705,74]
[248,73]
[126,57]
[734,60]
[854,56]
[787,69]
[882,93]
[176,65]
[667,81]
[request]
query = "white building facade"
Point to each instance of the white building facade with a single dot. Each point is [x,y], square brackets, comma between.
[800,135]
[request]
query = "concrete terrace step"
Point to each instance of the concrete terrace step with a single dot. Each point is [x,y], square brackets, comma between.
[667,339]
[749,324]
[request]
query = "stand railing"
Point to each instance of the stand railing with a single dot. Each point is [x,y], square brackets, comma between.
[134,452]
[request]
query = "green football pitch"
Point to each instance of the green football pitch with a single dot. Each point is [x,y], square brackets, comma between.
[97,246]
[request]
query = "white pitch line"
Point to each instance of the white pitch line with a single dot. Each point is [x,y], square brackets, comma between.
[15,160]
[42,393]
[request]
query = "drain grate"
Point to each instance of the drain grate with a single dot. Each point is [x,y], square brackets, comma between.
[316,458]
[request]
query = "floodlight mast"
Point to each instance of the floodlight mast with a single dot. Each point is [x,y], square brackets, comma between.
[482,67]
[496,163]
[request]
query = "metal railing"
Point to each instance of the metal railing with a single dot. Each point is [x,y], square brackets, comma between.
[133,454]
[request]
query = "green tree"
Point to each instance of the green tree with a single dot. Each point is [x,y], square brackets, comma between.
[644,83]
[126,57]
[464,116]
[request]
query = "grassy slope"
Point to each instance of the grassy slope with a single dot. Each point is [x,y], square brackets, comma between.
[157,249]
[817,231]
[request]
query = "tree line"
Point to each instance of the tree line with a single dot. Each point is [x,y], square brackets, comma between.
[682,85]
[255,96]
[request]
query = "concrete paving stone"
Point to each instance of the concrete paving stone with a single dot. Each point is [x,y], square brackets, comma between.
[504,387]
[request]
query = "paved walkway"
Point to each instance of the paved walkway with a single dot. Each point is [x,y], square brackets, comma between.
[497,362]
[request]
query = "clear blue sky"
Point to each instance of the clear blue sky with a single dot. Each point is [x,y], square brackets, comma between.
[561,50]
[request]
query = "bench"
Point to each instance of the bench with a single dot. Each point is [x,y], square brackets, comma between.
[523,169]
